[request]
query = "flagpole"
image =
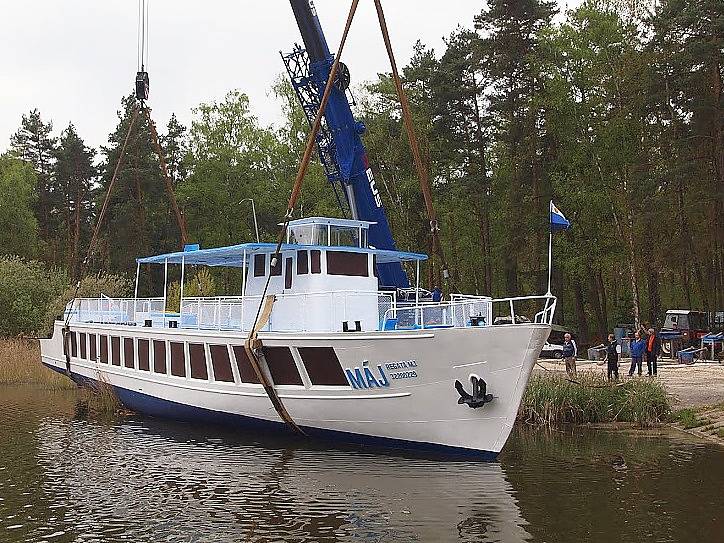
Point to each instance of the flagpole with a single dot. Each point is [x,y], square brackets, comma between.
[550,247]
[550,259]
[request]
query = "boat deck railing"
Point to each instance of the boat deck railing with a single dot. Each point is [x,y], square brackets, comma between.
[317,311]
[115,310]
[464,310]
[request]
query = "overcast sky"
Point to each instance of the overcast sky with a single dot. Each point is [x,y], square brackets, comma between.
[74,59]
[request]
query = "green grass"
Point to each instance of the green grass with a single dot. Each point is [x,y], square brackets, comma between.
[689,418]
[720,433]
[553,400]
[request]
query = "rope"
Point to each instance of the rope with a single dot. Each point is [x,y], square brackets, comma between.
[104,207]
[252,344]
[414,145]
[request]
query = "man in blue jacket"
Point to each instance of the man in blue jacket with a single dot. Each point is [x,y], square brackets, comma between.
[638,348]
[569,355]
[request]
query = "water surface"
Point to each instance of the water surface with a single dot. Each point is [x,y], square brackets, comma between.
[64,477]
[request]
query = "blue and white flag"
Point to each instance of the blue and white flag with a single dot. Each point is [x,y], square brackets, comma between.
[558,220]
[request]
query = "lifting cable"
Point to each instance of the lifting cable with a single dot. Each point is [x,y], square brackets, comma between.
[414,145]
[253,345]
[141,92]
[94,237]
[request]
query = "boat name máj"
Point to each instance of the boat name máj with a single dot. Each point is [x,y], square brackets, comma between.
[364,377]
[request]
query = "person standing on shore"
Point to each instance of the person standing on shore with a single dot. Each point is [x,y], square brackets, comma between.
[653,349]
[569,355]
[612,357]
[638,348]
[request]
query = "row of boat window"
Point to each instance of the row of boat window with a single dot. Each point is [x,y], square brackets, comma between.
[189,359]
[338,263]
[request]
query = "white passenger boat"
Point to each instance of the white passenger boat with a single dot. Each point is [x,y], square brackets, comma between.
[345,359]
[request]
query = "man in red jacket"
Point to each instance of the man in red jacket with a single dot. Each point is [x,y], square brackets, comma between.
[653,349]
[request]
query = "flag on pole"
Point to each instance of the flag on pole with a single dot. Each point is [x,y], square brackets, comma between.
[558,220]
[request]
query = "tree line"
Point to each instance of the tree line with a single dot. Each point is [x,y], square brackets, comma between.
[613,110]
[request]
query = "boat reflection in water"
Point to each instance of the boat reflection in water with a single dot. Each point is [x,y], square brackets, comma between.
[142,479]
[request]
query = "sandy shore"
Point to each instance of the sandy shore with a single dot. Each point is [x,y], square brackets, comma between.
[699,387]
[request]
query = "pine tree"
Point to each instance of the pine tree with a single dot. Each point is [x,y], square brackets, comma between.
[34,144]
[508,48]
[75,176]
[175,145]
[139,220]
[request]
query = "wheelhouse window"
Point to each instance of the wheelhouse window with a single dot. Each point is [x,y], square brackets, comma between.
[115,351]
[246,372]
[347,263]
[197,359]
[83,346]
[281,366]
[221,363]
[302,262]
[316,257]
[73,344]
[128,352]
[259,265]
[309,234]
[143,355]
[159,356]
[323,366]
[344,236]
[178,359]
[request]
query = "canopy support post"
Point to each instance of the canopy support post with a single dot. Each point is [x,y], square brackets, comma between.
[417,292]
[181,296]
[135,290]
[165,281]
[243,289]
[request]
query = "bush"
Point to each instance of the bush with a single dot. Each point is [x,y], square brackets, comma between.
[201,285]
[26,287]
[92,286]
[553,399]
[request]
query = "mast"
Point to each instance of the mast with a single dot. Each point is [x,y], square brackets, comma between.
[339,142]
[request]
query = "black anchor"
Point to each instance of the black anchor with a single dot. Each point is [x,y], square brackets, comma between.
[478,398]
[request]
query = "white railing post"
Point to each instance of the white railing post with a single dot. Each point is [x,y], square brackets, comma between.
[135,290]
[165,292]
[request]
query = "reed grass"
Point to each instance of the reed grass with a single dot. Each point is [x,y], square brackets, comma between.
[554,400]
[20,365]
[99,401]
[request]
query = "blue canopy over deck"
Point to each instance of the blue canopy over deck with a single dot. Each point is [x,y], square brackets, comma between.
[234,255]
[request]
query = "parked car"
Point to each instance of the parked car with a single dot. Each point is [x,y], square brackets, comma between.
[551,350]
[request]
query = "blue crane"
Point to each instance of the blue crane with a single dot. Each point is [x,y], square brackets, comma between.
[339,141]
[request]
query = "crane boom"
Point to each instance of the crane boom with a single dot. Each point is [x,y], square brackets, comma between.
[339,141]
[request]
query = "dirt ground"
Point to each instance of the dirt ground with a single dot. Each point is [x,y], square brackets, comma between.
[696,386]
